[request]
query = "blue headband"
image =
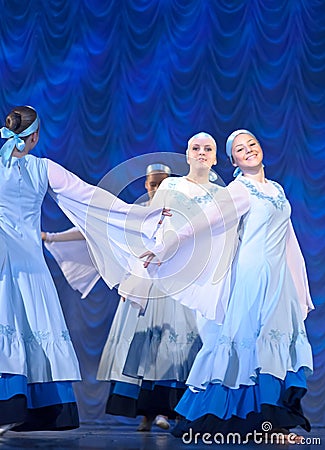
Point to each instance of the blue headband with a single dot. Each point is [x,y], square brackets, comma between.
[14,140]
[229,143]
[158,168]
[202,134]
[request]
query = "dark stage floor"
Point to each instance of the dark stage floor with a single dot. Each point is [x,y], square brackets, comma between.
[116,437]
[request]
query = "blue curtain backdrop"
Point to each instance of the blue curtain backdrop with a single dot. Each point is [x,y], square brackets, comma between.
[113,79]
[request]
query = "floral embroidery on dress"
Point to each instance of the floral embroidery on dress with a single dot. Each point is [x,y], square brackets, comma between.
[38,336]
[41,336]
[191,337]
[278,202]
[7,330]
[66,336]
[276,335]
[172,183]
[224,340]
[207,197]
[294,336]
[244,343]
[173,336]
[247,343]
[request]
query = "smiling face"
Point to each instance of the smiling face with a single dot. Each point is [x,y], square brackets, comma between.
[246,153]
[201,152]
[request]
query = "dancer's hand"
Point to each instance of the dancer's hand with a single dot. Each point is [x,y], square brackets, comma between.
[150,256]
[166,213]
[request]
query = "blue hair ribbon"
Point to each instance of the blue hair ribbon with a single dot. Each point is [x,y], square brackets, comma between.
[14,140]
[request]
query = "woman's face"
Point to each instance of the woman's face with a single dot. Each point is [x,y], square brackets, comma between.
[202,153]
[153,181]
[246,152]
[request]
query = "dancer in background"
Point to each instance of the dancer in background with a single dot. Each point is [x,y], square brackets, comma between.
[163,341]
[38,363]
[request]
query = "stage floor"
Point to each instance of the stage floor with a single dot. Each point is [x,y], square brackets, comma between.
[125,437]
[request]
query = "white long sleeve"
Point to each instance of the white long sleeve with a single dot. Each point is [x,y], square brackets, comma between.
[113,229]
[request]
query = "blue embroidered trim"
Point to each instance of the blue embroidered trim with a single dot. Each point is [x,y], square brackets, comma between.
[278,202]
[159,334]
[208,197]
[274,336]
[66,336]
[173,336]
[191,337]
[7,330]
[38,336]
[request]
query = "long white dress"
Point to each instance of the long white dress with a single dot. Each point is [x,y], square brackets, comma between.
[254,365]
[37,357]
[38,362]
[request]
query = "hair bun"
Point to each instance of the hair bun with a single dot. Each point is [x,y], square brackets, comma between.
[13,121]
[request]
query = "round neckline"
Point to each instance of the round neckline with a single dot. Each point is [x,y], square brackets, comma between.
[195,182]
[256,181]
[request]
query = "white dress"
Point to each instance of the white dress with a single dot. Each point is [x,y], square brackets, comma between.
[255,363]
[34,339]
[160,344]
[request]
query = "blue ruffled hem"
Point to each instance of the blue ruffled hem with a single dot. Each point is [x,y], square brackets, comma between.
[38,395]
[224,402]
[132,390]
[125,389]
[171,384]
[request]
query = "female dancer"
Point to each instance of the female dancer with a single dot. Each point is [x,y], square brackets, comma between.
[38,362]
